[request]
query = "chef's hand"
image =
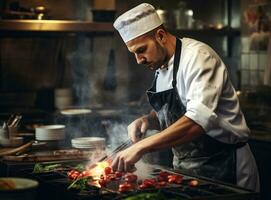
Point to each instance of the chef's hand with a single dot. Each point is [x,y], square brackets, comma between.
[126,159]
[138,128]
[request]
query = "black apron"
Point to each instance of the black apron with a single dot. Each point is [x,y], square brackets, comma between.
[204,156]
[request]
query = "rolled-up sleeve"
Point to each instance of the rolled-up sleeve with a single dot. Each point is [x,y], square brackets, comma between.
[201,114]
[204,78]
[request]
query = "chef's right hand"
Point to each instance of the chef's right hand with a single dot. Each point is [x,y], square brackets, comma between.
[138,128]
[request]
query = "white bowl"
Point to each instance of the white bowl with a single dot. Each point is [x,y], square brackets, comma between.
[13,188]
[50,132]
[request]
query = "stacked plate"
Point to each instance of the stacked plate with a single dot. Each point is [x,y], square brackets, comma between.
[88,143]
[50,132]
[75,111]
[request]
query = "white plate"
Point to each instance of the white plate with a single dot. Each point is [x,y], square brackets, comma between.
[88,140]
[17,184]
[50,132]
[75,111]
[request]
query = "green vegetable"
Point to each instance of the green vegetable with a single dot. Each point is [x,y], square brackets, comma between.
[80,184]
[151,196]
[80,167]
[147,196]
[39,168]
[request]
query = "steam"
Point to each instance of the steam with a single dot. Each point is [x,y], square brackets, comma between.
[80,61]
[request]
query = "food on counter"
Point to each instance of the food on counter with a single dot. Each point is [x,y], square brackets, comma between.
[126,181]
[108,170]
[126,187]
[151,196]
[6,184]
[130,177]
[81,183]
[193,183]
[40,168]
[175,178]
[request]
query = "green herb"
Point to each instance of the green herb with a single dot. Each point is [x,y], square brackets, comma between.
[80,167]
[150,196]
[39,168]
[80,184]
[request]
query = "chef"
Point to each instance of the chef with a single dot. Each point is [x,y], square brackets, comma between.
[195,107]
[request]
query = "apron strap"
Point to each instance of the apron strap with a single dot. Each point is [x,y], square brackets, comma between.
[178,50]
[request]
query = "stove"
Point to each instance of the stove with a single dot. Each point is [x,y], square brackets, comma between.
[54,186]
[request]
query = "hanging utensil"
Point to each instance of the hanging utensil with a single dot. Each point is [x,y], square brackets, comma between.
[110,82]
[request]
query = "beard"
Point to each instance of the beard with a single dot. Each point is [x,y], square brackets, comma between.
[161,58]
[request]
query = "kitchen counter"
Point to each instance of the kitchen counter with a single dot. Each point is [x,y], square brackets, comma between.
[53,185]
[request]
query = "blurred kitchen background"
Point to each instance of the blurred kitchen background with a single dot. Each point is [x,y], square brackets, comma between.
[58,55]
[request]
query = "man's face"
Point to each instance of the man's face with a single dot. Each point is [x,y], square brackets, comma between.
[148,51]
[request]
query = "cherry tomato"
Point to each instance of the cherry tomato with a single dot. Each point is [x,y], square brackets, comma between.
[118,174]
[85,173]
[102,182]
[111,177]
[161,184]
[142,186]
[107,170]
[129,177]
[193,183]
[149,182]
[73,174]
[175,178]
[160,178]
[125,187]
[164,174]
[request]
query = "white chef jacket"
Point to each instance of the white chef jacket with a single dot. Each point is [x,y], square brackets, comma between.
[206,91]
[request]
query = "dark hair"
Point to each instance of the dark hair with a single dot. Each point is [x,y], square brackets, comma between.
[152,32]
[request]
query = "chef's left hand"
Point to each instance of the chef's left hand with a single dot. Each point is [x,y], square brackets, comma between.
[126,159]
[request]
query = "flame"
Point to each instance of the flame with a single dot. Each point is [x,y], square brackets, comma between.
[97,171]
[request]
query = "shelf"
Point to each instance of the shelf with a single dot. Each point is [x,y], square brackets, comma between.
[208,32]
[54,26]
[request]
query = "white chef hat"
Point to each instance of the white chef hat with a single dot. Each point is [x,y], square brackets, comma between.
[137,21]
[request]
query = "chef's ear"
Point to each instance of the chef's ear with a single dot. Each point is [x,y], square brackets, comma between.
[160,35]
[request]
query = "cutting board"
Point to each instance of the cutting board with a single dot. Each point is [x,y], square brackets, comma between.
[67,154]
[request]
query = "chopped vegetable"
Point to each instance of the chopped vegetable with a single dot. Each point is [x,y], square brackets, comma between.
[39,168]
[80,184]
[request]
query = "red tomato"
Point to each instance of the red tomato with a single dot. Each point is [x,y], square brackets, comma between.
[161,184]
[111,177]
[102,182]
[175,178]
[164,174]
[149,182]
[125,187]
[118,174]
[160,178]
[107,170]
[85,173]
[129,177]
[193,183]
[143,186]
[73,174]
